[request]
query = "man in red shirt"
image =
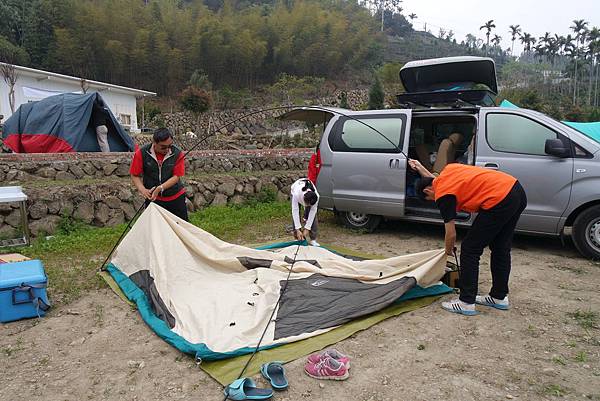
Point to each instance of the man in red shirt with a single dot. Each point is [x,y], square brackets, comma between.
[156,172]
[498,199]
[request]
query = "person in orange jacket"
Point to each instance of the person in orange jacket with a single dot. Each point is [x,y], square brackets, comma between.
[498,199]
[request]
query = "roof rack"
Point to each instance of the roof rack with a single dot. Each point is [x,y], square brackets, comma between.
[454,99]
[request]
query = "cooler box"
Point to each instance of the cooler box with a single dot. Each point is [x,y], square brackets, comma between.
[23,290]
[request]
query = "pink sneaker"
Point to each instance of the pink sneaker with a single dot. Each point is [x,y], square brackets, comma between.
[327,369]
[331,353]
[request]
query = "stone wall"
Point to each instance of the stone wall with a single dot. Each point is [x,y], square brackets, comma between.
[96,189]
[23,168]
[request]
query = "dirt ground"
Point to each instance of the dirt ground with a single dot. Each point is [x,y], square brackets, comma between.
[547,346]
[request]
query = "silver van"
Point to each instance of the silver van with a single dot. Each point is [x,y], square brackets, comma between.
[448,115]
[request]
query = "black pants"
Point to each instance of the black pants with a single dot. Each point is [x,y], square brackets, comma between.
[494,228]
[176,206]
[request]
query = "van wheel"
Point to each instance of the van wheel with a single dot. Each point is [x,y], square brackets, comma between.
[586,232]
[359,221]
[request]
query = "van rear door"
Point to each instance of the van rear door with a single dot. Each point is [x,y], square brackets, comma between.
[369,163]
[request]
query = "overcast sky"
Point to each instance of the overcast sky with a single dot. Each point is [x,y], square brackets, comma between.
[535,17]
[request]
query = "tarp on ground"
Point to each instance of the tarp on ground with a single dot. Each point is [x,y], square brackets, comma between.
[213,299]
[591,129]
[63,123]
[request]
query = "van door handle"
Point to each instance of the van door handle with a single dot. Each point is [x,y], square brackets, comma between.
[395,163]
[492,166]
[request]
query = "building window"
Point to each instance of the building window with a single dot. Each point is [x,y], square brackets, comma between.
[125,119]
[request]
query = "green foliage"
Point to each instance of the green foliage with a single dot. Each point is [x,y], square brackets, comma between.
[69,225]
[344,101]
[227,97]
[200,80]
[292,89]
[586,319]
[389,73]
[376,95]
[158,45]
[195,100]
[12,54]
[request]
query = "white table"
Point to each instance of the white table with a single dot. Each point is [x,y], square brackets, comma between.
[11,195]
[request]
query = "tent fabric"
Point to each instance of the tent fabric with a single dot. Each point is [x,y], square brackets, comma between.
[591,129]
[227,370]
[220,307]
[62,123]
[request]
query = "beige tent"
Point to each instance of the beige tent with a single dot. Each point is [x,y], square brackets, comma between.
[214,299]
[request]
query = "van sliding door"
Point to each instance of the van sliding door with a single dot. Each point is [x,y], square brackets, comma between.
[369,163]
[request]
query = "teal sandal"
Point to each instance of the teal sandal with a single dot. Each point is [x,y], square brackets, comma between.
[274,373]
[245,389]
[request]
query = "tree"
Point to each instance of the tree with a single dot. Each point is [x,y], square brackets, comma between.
[376,95]
[579,27]
[593,53]
[528,41]
[412,17]
[515,31]
[382,6]
[195,100]
[344,101]
[496,40]
[9,56]
[10,76]
[199,79]
[488,26]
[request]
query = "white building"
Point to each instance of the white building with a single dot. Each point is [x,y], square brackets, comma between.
[32,85]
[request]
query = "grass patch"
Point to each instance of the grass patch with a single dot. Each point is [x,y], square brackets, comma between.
[74,254]
[555,390]
[559,360]
[581,357]
[586,319]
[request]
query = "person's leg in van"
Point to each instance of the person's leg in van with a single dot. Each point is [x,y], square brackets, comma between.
[501,245]
[422,152]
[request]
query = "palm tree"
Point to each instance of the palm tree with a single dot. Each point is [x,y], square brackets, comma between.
[579,27]
[412,17]
[488,26]
[496,40]
[471,41]
[593,51]
[515,30]
[527,40]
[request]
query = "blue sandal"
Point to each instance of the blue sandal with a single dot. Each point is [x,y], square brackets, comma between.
[274,373]
[245,389]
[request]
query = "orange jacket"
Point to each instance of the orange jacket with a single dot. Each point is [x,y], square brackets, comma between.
[475,188]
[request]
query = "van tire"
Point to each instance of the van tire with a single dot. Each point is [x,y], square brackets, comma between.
[359,221]
[586,232]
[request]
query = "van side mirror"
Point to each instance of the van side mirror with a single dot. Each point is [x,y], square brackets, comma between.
[556,147]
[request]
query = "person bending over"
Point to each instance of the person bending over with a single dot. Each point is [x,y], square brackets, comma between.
[498,199]
[304,193]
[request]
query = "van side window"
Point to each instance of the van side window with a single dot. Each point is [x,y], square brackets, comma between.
[517,134]
[354,136]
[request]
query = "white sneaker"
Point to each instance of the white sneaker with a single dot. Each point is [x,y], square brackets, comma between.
[458,306]
[488,300]
[314,243]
